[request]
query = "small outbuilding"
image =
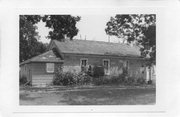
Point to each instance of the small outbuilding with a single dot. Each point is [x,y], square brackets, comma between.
[39,70]
[77,54]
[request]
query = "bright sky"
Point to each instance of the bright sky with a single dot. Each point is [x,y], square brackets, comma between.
[91,27]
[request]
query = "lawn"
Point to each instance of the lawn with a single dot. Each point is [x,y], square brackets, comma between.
[89,96]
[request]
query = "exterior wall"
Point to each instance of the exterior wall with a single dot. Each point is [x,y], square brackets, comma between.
[39,74]
[135,69]
[154,74]
[25,71]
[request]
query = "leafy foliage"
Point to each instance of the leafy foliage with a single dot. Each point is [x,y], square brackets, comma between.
[23,80]
[73,79]
[141,81]
[98,71]
[118,80]
[69,78]
[61,25]
[29,44]
[138,29]
[64,79]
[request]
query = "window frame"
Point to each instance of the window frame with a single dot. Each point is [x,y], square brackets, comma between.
[47,70]
[108,62]
[82,60]
[109,65]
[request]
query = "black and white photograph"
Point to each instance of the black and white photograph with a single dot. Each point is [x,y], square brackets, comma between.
[87,59]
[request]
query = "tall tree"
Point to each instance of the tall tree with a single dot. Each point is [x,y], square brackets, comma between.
[62,26]
[29,44]
[138,29]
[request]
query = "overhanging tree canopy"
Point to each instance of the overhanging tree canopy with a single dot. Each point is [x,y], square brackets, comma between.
[29,44]
[62,26]
[138,29]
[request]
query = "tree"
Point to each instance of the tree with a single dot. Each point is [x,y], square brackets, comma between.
[29,44]
[62,26]
[136,29]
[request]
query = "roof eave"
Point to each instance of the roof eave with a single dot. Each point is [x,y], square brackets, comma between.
[61,61]
[139,57]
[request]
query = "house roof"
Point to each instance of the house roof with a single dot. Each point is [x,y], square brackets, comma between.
[48,56]
[96,47]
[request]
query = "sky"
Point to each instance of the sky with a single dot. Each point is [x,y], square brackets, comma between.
[91,27]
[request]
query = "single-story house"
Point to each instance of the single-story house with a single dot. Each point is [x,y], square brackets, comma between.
[75,54]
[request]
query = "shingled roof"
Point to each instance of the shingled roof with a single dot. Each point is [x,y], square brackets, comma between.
[96,48]
[48,56]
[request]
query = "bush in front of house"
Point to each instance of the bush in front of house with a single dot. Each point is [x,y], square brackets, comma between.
[98,80]
[98,71]
[122,78]
[118,80]
[23,80]
[64,79]
[69,78]
[87,79]
[141,81]
[150,82]
[82,78]
[130,81]
[112,80]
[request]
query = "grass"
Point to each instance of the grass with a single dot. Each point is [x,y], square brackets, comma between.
[90,96]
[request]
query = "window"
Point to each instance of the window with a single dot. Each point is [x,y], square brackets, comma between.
[83,64]
[50,67]
[106,65]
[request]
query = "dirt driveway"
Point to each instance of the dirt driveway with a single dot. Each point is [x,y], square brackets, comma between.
[89,96]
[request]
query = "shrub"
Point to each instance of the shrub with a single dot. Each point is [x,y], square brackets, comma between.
[98,81]
[149,82]
[58,78]
[141,81]
[69,78]
[125,72]
[83,78]
[122,78]
[114,80]
[23,80]
[66,78]
[98,71]
[130,81]
[87,79]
